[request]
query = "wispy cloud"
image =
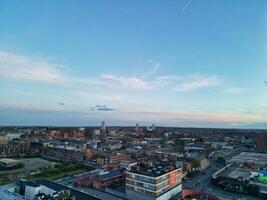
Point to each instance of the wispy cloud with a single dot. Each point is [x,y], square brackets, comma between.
[101,108]
[131,82]
[21,67]
[186,5]
[196,81]
[106,96]
[183,83]
[155,67]
[23,92]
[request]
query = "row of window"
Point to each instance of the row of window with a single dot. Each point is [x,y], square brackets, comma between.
[145,191]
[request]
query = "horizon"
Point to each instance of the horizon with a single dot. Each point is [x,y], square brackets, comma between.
[130,126]
[177,64]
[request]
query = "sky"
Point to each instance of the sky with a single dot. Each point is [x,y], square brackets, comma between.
[171,63]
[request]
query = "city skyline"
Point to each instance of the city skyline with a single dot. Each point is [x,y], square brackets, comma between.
[177,63]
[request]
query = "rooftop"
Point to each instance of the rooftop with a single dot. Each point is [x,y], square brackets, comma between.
[257,158]
[109,175]
[57,187]
[154,169]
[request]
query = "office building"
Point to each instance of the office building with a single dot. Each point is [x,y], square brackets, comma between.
[103,126]
[137,127]
[153,181]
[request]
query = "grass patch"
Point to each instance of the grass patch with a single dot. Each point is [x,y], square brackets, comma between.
[5,181]
[61,170]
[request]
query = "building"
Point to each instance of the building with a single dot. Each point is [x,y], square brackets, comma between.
[244,174]
[96,132]
[261,142]
[188,194]
[3,139]
[65,152]
[50,190]
[103,126]
[153,181]
[32,189]
[106,179]
[14,148]
[137,128]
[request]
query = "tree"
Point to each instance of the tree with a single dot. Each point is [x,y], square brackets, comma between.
[195,163]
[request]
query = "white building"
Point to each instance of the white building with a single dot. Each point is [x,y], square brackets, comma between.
[153,182]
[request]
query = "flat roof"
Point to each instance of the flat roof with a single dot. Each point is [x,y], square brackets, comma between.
[109,175]
[154,169]
[7,160]
[257,158]
[57,187]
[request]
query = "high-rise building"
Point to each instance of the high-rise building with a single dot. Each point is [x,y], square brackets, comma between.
[153,127]
[103,126]
[261,142]
[153,181]
[137,127]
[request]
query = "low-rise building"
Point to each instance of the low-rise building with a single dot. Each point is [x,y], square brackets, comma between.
[105,179]
[14,148]
[244,174]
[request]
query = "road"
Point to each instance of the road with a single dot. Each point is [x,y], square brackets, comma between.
[202,183]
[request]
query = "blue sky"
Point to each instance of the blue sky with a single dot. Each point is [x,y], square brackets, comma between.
[171,63]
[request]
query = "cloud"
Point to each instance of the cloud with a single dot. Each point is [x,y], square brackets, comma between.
[101,108]
[106,96]
[234,90]
[186,5]
[195,81]
[228,117]
[131,82]
[20,67]
[155,67]
[184,83]
[28,93]
[24,68]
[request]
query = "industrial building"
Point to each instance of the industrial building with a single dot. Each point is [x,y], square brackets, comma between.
[244,174]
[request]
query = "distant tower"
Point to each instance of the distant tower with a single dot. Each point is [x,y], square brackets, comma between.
[153,127]
[103,126]
[137,127]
